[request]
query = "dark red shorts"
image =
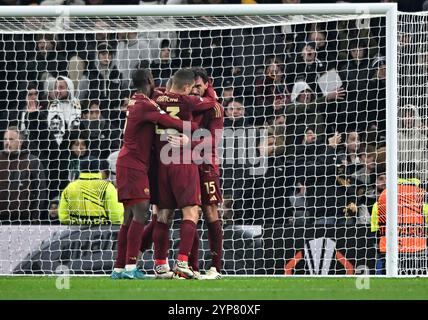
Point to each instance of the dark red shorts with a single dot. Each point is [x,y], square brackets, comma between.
[132,184]
[210,185]
[179,186]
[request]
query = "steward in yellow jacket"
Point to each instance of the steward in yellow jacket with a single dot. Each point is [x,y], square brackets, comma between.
[412,213]
[90,199]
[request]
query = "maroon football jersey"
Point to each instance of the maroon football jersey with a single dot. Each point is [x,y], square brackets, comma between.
[212,120]
[179,107]
[139,132]
[142,115]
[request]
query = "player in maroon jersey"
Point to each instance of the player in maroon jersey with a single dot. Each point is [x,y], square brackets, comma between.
[209,173]
[179,184]
[132,170]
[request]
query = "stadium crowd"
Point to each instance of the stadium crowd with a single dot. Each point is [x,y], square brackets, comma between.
[64,100]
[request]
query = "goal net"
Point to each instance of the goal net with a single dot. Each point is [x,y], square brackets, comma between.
[303,156]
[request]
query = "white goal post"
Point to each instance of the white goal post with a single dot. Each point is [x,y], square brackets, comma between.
[59,20]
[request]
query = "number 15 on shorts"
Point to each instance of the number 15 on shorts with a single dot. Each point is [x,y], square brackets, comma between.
[210,186]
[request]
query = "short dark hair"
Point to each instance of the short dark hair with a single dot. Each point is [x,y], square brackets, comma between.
[32,85]
[201,73]
[357,43]
[182,78]
[237,99]
[165,43]
[105,47]
[47,37]
[140,78]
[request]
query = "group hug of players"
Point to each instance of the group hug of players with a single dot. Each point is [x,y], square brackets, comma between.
[156,166]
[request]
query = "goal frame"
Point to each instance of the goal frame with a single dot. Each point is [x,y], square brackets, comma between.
[387,9]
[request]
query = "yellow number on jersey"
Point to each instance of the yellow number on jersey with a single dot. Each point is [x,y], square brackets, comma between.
[210,187]
[172,111]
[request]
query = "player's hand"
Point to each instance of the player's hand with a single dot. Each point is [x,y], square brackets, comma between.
[178,140]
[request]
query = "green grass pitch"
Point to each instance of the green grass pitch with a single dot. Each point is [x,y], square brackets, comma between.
[226,289]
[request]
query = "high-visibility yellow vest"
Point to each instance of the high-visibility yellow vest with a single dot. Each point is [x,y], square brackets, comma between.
[412,215]
[90,200]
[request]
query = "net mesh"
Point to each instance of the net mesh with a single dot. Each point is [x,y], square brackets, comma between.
[412,142]
[303,151]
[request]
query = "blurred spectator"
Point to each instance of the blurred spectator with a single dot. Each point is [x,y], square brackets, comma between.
[228,92]
[309,150]
[306,111]
[279,118]
[22,182]
[31,121]
[298,203]
[105,82]
[355,75]
[368,161]
[346,152]
[319,38]
[351,150]
[306,67]
[49,62]
[373,119]
[78,152]
[412,141]
[82,52]
[64,109]
[271,92]
[235,114]
[264,199]
[366,178]
[102,135]
[63,116]
[239,143]
[90,199]
[130,51]
[310,156]
[249,47]
[335,197]
[380,179]
[165,65]
[53,211]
